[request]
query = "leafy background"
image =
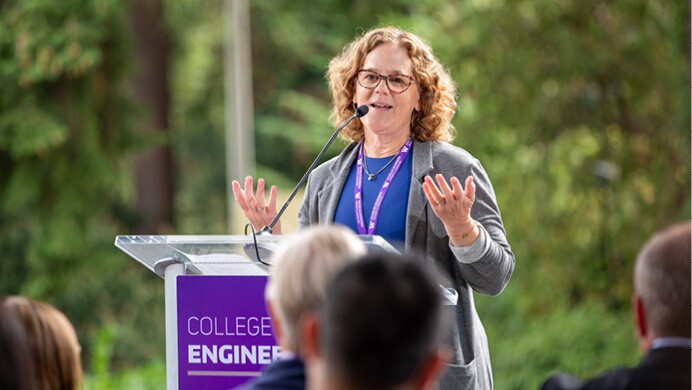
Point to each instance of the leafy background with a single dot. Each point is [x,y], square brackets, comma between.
[578,110]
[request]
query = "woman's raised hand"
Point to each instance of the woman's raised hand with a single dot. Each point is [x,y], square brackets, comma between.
[257,211]
[452,204]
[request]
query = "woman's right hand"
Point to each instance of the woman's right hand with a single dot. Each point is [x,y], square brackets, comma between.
[253,205]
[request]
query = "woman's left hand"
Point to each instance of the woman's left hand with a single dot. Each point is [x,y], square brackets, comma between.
[453,206]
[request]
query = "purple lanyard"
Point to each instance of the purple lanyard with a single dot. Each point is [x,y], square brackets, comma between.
[358,189]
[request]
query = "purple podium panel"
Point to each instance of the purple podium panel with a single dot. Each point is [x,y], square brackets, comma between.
[224,331]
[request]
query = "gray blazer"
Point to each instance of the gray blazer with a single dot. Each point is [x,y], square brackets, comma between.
[485,266]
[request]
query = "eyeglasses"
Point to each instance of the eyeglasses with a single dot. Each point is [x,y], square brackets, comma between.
[397,83]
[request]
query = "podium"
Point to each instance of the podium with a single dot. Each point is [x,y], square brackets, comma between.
[201,274]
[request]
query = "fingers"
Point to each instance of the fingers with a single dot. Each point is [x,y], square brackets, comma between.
[239,194]
[431,192]
[253,204]
[259,197]
[249,194]
[249,200]
[470,189]
[272,199]
[428,193]
[456,186]
[440,191]
[444,186]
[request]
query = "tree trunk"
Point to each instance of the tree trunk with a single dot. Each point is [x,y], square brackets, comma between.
[153,170]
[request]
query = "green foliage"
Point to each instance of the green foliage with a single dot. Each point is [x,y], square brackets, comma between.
[67,135]
[151,376]
[147,376]
[103,353]
[197,118]
[583,340]
[548,92]
[558,87]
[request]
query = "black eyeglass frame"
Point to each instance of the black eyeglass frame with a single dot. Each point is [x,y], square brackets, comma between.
[386,80]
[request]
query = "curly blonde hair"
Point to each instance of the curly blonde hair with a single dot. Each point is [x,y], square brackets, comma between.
[437,90]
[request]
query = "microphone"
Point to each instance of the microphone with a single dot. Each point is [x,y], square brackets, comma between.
[360,111]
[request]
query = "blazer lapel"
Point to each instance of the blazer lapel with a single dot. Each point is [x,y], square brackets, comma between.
[417,202]
[328,197]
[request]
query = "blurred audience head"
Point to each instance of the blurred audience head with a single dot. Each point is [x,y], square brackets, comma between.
[381,326]
[301,270]
[661,301]
[53,343]
[16,366]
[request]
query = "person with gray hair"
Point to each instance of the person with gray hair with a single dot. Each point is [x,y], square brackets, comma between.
[382,327]
[661,312]
[301,270]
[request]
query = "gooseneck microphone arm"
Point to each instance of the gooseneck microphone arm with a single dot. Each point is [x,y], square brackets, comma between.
[360,111]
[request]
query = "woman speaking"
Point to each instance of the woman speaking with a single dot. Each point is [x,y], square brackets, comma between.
[400,178]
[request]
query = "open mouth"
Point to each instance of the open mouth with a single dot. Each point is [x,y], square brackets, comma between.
[380,105]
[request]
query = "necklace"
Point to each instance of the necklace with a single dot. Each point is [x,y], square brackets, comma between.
[373,176]
[358,189]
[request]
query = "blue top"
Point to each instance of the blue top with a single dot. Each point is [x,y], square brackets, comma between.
[392,219]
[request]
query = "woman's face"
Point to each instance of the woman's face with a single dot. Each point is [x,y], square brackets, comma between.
[389,113]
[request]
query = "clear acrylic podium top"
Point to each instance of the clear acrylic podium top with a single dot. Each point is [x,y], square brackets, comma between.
[214,254]
[225,254]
